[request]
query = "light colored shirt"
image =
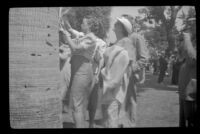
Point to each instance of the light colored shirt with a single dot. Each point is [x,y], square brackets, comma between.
[142,55]
[115,74]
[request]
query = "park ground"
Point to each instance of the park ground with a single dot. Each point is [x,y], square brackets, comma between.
[158,105]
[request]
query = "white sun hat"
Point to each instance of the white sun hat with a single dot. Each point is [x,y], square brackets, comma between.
[126,24]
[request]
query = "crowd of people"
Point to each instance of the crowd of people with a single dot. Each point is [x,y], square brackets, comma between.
[96,74]
[169,66]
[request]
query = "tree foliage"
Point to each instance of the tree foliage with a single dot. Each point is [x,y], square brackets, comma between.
[164,17]
[189,21]
[187,18]
[76,15]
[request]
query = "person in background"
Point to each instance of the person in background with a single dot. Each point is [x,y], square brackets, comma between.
[169,67]
[163,68]
[155,66]
[174,72]
[167,70]
[186,83]
[83,51]
[176,68]
[171,64]
[158,63]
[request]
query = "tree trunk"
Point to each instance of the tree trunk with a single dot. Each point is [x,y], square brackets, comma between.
[170,26]
[34,68]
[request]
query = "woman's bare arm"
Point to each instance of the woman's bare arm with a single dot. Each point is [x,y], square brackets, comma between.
[68,40]
[73,31]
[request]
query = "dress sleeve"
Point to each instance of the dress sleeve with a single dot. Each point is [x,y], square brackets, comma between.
[87,41]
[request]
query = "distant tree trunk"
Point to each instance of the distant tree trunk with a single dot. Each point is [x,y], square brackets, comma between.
[169,28]
[171,42]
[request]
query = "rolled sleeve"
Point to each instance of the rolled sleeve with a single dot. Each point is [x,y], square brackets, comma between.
[88,41]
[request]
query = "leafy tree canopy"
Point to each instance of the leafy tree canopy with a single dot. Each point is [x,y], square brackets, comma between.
[164,18]
[76,15]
